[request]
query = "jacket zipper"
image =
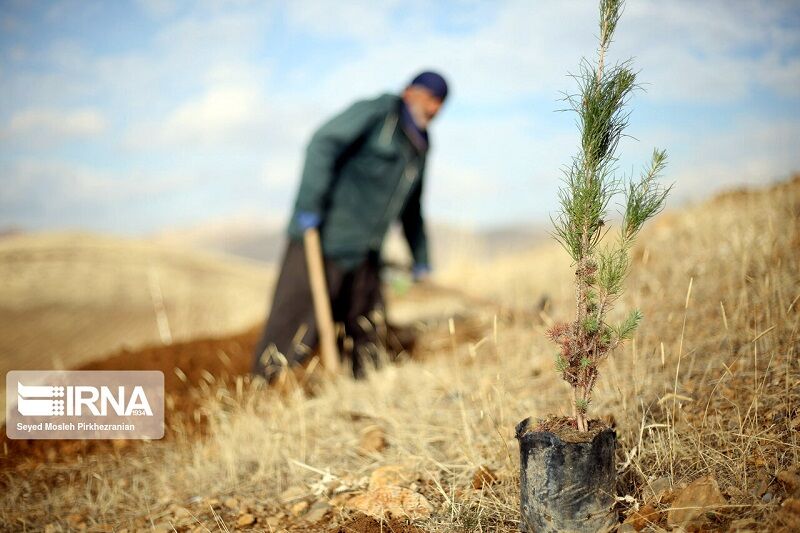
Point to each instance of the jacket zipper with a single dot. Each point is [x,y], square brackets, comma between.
[410,174]
[401,191]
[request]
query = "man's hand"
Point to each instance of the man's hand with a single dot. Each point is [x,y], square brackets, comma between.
[307,220]
[421,272]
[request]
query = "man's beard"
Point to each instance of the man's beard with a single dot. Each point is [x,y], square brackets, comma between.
[421,118]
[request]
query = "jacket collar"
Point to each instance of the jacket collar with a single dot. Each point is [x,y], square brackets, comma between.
[417,136]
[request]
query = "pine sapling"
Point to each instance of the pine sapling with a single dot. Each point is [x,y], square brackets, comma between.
[590,182]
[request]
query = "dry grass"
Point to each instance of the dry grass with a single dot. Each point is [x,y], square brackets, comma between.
[709,387]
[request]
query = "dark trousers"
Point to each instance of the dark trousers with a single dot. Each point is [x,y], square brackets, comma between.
[291,329]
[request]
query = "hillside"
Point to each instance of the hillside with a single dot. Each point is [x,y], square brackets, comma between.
[264,242]
[68,298]
[708,393]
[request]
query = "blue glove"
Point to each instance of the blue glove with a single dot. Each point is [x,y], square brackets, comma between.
[307,220]
[420,271]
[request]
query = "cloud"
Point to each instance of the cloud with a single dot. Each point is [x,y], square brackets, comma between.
[63,183]
[281,172]
[222,114]
[158,8]
[356,19]
[709,52]
[229,93]
[752,152]
[54,193]
[43,126]
[706,52]
[228,116]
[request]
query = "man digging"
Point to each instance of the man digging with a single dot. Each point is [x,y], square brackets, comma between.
[363,170]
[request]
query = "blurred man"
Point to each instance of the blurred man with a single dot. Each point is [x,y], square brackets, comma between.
[363,170]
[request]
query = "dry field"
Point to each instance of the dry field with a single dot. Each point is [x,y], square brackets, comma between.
[68,298]
[706,403]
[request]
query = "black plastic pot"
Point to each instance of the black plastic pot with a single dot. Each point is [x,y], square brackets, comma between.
[566,486]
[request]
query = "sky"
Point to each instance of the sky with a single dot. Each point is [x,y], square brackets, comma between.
[135,117]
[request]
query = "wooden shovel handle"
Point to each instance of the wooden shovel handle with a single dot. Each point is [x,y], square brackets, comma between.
[322,302]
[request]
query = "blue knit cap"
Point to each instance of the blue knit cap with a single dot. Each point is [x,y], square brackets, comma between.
[432,81]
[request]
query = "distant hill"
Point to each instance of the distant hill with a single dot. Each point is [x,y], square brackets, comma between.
[68,297]
[265,242]
[252,239]
[10,231]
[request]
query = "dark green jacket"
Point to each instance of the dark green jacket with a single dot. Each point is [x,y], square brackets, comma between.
[362,172]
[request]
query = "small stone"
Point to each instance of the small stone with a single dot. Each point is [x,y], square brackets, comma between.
[395,502]
[692,502]
[767,497]
[646,516]
[390,475]
[317,511]
[246,520]
[373,440]
[299,508]
[232,503]
[483,477]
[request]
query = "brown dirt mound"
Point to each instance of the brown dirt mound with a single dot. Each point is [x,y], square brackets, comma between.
[185,366]
[188,367]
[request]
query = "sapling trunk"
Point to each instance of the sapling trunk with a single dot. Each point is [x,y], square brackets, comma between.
[590,182]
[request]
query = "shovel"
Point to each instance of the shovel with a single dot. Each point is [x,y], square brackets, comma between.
[322,303]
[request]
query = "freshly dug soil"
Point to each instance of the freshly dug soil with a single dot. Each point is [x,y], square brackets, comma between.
[367,524]
[220,358]
[186,366]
